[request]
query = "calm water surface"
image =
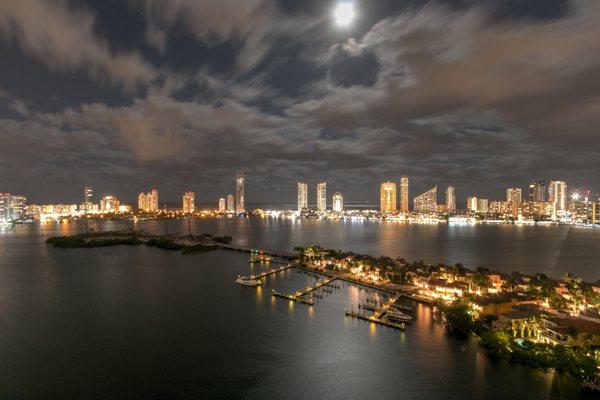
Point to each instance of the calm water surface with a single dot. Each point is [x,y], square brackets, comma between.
[553,250]
[138,322]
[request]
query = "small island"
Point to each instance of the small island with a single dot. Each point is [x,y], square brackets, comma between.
[187,244]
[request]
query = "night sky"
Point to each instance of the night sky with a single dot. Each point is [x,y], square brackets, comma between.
[125,95]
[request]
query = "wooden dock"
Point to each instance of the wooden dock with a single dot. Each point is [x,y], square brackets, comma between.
[378,321]
[292,297]
[380,312]
[299,295]
[317,286]
[272,271]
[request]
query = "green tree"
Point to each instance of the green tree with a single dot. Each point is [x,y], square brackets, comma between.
[497,344]
[458,318]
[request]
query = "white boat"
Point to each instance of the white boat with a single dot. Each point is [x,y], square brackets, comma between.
[246,280]
[398,315]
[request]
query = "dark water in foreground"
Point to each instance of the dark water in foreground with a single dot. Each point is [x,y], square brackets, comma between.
[137,322]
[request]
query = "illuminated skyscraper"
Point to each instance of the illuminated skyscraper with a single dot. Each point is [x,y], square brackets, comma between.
[230,204]
[404,202]
[450,199]
[148,202]
[387,195]
[338,202]
[240,200]
[222,204]
[109,204]
[322,196]
[12,207]
[557,192]
[153,200]
[483,205]
[142,202]
[302,196]
[426,202]
[472,204]
[513,195]
[189,199]
[537,191]
[88,193]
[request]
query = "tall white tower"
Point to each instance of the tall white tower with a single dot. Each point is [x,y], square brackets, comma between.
[302,195]
[450,199]
[240,201]
[404,202]
[322,196]
[558,194]
[338,202]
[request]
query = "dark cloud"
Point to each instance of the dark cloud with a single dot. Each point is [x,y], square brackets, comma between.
[540,75]
[445,93]
[63,38]
[255,24]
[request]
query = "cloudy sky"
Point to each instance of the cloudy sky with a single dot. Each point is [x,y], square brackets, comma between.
[125,95]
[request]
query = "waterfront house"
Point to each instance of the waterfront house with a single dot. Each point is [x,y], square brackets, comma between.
[523,320]
[504,302]
[570,331]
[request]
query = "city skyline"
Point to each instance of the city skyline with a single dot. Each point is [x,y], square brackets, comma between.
[555,190]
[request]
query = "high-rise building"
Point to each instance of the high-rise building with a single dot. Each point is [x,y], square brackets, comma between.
[514,195]
[338,202]
[536,208]
[222,204]
[427,201]
[583,210]
[322,196]
[153,200]
[450,199]
[12,207]
[148,202]
[109,204]
[240,200]
[537,191]
[189,200]
[557,192]
[483,205]
[404,202]
[472,204]
[88,193]
[503,207]
[302,195]
[142,202]
[387,195]
[230,204]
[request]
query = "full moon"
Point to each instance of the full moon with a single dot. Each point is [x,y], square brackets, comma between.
[344,13]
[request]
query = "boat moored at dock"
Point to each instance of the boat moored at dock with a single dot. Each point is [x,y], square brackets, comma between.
[248,281]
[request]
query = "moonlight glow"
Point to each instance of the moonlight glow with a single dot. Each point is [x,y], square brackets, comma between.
[344,13]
